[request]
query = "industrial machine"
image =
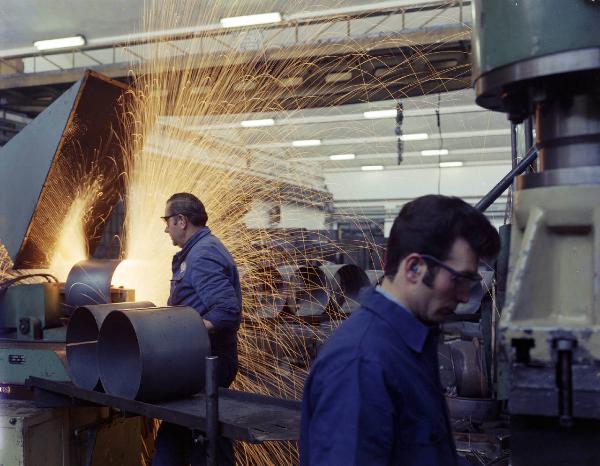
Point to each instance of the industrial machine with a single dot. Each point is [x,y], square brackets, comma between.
[75,143]
[541,59]
[41,170]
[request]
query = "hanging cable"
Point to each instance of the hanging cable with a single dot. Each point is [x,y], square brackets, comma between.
[439,126]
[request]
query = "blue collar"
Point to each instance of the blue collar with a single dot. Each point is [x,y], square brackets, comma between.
[189,244]
[411,330]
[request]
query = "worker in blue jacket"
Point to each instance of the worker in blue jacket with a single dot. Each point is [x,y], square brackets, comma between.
[206,278]
[373,396]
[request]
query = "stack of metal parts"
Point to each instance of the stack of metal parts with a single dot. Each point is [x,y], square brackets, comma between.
[130,349]
[541,59]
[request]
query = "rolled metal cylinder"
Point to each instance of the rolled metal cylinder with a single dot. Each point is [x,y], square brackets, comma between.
[346,281]
[375,276]
[89,282]
[153,354]
[82,336]
[269,291]
[314,296]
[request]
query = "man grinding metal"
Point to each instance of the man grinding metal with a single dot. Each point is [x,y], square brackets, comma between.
[206,278]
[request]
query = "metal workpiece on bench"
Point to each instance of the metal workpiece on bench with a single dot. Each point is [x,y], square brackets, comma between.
[153,354]
[82,335]
[89,282]
[243,416]
[346,281]
[75,138]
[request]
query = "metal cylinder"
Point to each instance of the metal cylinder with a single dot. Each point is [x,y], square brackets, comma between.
[310,294]
[375,276]
[89,283]
[314,296]
[153,354]
[82,336]
[268,292]
[346,281]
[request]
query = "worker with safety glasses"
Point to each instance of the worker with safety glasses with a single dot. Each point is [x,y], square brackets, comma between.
[373,396]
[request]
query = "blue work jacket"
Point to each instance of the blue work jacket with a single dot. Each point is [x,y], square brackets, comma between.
[374,397]
[206,278]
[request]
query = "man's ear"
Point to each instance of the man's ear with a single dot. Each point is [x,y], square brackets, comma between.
[184,221]
[412,266]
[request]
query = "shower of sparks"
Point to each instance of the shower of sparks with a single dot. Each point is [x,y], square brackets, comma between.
[176,86]
[71,246]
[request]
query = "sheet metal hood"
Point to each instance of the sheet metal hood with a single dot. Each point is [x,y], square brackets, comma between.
[83,128]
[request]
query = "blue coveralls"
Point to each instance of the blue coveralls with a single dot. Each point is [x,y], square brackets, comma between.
[374,397]
[206,278]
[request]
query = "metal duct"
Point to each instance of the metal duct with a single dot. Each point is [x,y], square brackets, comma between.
[153,354]
[269,291]
[375,276]
[313,295]
[82,336]
[78,135]
[89,282]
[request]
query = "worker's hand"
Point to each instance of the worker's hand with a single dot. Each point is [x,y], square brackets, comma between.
[209,326]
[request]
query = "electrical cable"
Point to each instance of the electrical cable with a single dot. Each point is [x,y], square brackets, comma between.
[439,126]
[49,278]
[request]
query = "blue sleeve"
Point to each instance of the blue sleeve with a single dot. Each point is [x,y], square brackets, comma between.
[218,296]
[347,417]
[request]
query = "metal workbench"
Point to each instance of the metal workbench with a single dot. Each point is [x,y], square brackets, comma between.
[243,416]
[237,415]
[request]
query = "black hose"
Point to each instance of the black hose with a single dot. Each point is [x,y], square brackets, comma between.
[12,281]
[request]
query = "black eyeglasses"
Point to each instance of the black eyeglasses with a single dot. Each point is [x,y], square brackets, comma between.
[466,279]
[167,217]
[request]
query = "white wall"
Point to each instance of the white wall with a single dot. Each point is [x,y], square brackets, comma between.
[292,216]
[386,191]
[407,183]
[302,217]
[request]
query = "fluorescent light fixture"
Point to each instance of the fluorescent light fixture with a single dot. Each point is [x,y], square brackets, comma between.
[414,137]
[371,168]
[251,20]
[435,152]
[306,143]
[62,43]
[338,77]
[342,157]
[375,114]
[257,123]
[450,164]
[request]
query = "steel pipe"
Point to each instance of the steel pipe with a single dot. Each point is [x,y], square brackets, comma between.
[314,296]
[375,276]
[505,182]
[153,354]
[269,291]
[82,336]
[346,281]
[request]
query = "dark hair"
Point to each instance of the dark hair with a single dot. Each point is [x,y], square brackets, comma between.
[431,224]
[189,205]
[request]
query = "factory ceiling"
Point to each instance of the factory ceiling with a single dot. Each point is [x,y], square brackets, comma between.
[416,53]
